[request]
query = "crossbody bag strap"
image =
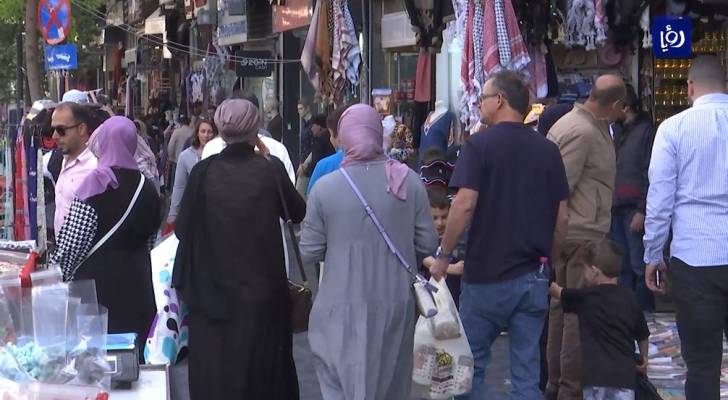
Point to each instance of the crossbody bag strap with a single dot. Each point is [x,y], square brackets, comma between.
[383,232]
[116,227]
[289,225]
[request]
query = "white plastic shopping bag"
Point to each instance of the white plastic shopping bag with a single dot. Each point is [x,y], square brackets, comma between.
[445,324]
[442,368]
[168,334]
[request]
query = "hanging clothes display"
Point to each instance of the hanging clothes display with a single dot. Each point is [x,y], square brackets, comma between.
[198,81]
[492,41]
[346,55]
[9,213]
[426,17]
[21,228]
[315,57]
[31,154]
[538,84]
[436,132]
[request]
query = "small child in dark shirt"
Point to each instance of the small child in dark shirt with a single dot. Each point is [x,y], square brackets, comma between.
[440,208]
[610,320]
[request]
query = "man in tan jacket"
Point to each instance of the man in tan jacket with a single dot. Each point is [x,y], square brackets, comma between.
[587,150]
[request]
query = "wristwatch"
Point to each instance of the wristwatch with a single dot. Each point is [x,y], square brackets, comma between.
[441,254]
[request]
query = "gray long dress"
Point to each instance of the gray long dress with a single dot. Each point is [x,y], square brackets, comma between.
[362,324]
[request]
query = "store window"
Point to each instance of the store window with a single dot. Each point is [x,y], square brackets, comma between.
[402,68]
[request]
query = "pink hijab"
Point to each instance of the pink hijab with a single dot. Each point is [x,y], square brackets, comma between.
[360,130]
[114,147]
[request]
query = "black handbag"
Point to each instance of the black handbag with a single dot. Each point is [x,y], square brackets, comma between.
[300,293]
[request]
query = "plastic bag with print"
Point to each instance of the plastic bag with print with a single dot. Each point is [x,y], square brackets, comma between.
[168,335]
[442,368]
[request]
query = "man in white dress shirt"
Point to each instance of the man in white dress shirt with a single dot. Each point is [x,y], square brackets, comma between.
[689,193]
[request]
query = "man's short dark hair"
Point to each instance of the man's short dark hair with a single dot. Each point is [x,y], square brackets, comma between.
[332,121]
[304,102]
[708,71]
[512,87]
[631,100]
[606,255]
[319,119]
[92,115]
[438,198]
[248,95]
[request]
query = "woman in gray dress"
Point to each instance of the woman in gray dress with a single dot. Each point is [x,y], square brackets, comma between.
[362,324]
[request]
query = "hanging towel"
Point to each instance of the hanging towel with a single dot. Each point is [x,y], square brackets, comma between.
[504,47]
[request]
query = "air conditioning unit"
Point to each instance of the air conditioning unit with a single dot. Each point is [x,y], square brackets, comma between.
[397,31]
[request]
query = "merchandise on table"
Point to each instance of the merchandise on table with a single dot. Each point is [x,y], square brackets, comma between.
[52,335]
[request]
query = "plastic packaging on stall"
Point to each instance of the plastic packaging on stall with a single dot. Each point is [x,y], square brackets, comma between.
[55,341]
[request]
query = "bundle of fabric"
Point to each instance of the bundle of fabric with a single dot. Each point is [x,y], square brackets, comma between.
[346,55]
[487,50]
[316,54]
[580,26]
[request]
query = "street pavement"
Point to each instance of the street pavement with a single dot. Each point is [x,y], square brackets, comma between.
[496,376]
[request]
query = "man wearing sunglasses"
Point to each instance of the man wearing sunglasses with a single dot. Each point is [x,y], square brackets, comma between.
[72,125]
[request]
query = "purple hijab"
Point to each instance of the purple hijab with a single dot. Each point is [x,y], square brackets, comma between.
[360,130]
[115,146]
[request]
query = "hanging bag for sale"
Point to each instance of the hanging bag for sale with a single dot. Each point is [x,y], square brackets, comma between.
[442,368]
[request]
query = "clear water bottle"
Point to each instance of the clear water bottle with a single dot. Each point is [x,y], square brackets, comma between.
[543,270]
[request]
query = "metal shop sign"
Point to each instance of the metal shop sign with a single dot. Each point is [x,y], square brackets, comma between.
[254,64]
[62,56]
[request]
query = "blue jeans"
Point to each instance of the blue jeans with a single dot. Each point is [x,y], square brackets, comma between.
[518,306]
[633,266]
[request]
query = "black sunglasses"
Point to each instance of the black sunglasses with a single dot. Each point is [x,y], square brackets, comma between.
[62,129]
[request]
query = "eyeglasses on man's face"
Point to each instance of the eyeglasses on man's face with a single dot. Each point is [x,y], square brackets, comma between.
[62,130]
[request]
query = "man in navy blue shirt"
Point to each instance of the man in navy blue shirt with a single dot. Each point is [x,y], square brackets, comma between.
[512,192]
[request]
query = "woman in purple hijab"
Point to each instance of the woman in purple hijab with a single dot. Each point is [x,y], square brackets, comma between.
[361,328]
[107,233]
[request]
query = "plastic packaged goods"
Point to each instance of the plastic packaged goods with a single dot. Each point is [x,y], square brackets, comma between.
[445,324]
[442,368]
[60,354]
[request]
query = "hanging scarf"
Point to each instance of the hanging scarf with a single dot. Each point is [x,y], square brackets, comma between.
[315,59]
[504,46]
[580,29]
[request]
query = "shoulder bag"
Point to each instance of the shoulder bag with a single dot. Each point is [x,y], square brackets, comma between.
[116,227]
[300,293]
[423,289]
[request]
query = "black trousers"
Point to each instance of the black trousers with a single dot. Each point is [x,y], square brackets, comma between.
[701,301]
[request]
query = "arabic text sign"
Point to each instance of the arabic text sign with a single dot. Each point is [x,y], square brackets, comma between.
[61,57]
[672,37]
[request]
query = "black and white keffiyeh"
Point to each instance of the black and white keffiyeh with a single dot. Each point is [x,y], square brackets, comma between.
[75,239]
